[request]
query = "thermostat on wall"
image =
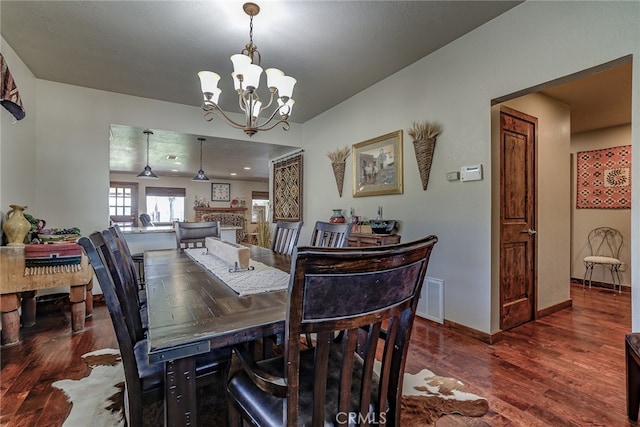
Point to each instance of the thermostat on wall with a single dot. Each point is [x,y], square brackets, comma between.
[471,173]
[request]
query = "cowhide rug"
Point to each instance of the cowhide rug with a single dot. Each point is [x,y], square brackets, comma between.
[98,399]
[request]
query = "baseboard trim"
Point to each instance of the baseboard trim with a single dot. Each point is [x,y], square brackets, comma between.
[625,288]
[464,330]
[554,308]
[496,336]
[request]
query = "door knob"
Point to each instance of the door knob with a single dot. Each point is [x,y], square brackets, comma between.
[529,231]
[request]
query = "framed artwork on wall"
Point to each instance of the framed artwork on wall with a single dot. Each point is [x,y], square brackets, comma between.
[220,192]
[377,166]
[603,178]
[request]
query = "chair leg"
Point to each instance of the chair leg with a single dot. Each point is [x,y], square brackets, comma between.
[616,269]
[633,383]
[235,420]
[588,269]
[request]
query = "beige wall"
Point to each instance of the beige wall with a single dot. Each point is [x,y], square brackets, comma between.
[585,220]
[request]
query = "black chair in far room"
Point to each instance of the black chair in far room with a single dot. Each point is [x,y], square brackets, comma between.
[193,234]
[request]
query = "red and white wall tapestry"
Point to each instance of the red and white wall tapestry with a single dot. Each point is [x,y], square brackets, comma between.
[604,178]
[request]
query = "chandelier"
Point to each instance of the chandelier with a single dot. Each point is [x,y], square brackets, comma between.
[246,79]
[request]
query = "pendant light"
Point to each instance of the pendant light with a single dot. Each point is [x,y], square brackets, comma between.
[200,176]
[147,172]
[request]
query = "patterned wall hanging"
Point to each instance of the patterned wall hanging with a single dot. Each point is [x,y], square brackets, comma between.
[287,189]
[604,178]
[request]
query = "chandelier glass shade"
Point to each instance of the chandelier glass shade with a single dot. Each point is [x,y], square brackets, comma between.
[246,79]
[200,176]
[147,172]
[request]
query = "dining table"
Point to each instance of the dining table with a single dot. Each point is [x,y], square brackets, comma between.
[191,311]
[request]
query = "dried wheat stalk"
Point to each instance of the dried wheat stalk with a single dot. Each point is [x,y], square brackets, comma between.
[424,130]
[339,155]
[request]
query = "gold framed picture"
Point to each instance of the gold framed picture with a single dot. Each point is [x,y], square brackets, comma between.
[377,166]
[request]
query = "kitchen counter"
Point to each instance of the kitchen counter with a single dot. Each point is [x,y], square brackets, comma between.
[142,239]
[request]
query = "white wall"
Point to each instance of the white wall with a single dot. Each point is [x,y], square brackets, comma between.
[532,43]
[585,220]
[18,140]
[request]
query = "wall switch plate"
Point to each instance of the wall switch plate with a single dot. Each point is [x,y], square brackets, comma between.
[453,176]
[471,173]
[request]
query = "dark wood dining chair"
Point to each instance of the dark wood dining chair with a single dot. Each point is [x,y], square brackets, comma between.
[193,234]
[144,381]
[354,290]
[136,260]
[128,293]
[331,235]
[285,236]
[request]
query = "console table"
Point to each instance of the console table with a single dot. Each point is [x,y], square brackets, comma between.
[371,239]
[18,290]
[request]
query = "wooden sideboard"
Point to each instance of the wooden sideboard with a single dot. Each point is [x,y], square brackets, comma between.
[370,239]
[203,210]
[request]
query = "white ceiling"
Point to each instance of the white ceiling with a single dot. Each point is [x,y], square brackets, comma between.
[154,49]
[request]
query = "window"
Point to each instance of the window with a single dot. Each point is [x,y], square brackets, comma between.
[165,204]
[123,203]
[259,205]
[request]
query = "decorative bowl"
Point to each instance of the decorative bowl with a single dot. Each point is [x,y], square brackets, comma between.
[382,226]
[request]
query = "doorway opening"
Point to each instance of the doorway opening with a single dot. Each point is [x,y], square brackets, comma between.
[584,111]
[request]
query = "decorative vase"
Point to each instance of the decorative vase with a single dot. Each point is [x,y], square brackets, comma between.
[337,216]
[16,225]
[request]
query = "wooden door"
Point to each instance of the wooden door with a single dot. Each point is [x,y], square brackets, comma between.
[517,218]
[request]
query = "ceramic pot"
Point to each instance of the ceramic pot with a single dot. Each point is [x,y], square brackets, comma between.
[337,216]
[16,226]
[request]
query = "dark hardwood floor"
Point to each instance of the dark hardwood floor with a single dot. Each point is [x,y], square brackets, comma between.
[566,369]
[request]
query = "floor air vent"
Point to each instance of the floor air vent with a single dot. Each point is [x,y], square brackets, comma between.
[431,304]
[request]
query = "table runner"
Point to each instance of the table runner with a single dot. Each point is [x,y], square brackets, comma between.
[262,278]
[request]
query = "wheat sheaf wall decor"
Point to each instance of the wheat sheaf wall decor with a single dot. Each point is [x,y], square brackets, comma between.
[338,159]
[424,136]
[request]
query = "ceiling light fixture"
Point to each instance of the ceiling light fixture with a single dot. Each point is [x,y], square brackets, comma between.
[147,172]
[200,176]
[246,78]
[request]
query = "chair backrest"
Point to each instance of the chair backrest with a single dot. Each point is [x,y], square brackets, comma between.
[605,241]
[95,249]
[230,219]
[331,235]
[145,220]
[285,237]
[126,285]
[354,291]
[193,234]
[124,250]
